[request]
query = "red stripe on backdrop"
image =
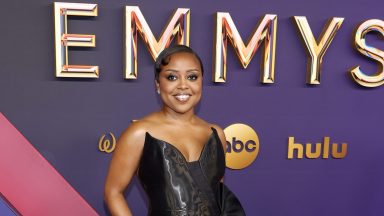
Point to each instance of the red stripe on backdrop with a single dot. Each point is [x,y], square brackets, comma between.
[30,183]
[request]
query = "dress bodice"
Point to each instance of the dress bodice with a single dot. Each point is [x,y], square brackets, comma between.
[177,187]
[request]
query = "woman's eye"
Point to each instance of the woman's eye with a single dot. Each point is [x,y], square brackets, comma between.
[171,77]
[192,77]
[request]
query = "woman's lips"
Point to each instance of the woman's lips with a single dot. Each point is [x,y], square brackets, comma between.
[182,97]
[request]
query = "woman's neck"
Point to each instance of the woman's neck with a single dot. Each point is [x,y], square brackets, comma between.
[171,115]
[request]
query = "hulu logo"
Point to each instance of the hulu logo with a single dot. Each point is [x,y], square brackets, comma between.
[317,150]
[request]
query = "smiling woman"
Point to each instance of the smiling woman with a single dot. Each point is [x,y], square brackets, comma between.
[180,82]
[178,157]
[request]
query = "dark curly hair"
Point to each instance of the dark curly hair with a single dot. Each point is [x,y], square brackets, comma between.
[164,57]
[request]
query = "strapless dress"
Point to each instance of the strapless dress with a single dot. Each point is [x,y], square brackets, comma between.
[176,187]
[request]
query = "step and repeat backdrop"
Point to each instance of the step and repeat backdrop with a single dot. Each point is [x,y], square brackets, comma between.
[296,86]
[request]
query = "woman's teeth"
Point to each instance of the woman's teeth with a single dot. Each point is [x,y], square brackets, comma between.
[182,97]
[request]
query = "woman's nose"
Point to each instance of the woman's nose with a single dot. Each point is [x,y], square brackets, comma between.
[183,83]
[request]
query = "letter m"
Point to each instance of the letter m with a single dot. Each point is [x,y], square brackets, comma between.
[226,30]
[177,26]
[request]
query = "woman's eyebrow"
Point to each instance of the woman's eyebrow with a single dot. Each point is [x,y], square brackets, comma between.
[193,70]
[171,70]
[175,70]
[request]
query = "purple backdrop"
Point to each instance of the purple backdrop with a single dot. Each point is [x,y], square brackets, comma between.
[64,118]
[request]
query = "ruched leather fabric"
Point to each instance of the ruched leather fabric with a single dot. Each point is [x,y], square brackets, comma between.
[171,184]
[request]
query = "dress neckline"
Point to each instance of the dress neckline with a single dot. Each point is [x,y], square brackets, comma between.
[179,152]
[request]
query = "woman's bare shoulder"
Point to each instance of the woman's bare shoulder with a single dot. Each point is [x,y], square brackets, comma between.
[218,129]
[136,131]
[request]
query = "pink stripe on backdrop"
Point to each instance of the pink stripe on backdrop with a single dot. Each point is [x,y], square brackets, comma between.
[30,183]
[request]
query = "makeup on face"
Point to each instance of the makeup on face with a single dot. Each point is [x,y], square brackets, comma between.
[180,82]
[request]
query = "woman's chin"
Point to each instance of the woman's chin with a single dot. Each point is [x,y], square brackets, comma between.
[180,109]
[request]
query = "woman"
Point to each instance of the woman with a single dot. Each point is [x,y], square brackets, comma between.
[178,157]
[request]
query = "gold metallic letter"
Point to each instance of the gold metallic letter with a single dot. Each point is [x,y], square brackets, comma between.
[177,26]
[357,74]
[336,154]
[105,145]
[226,29]
[309,153]
[63,40]
[317,49]
[294,146]
[326,147]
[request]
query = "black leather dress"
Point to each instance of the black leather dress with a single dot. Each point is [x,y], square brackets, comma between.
[176,187]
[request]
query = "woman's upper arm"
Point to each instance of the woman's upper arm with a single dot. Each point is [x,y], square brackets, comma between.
[125,159]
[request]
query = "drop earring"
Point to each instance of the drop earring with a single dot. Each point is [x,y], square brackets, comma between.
[158,91]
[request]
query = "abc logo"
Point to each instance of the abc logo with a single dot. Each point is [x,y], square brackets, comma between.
[242,146]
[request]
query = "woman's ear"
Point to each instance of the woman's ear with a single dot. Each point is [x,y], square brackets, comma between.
[157,86]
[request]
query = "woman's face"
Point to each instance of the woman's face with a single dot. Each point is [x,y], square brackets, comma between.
[180,82]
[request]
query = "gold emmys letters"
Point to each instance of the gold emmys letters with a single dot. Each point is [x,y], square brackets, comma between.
[178,28]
